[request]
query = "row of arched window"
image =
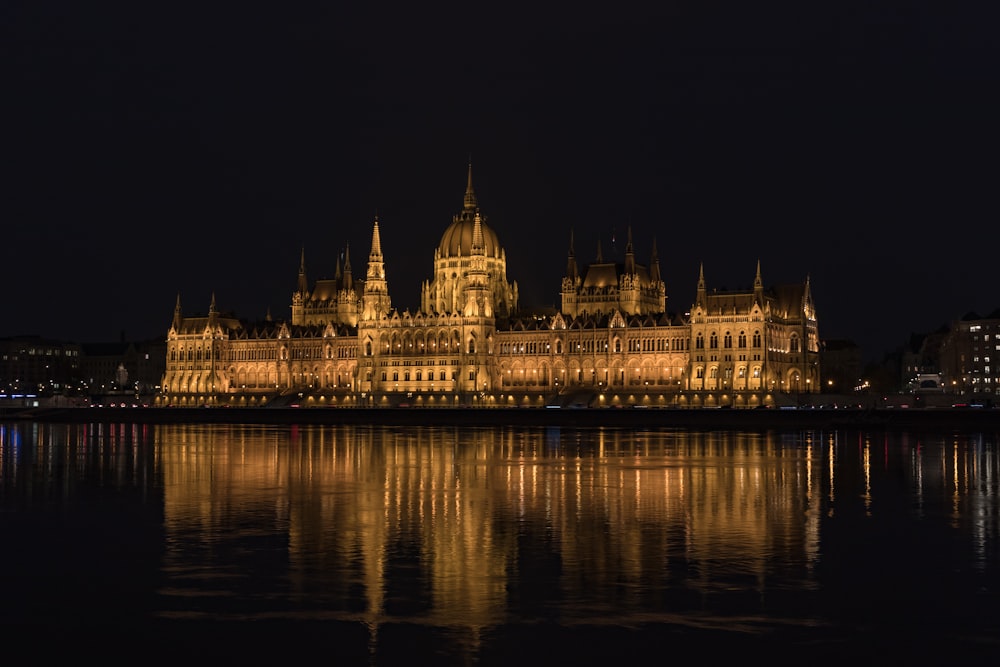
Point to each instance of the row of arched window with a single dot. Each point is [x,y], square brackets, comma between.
[727,340]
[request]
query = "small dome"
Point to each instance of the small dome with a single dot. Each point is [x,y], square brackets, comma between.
[457,239]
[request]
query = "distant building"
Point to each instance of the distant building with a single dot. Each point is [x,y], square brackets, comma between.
[841,361]
[970,356]
[130,366]
[613,341]
[38,365]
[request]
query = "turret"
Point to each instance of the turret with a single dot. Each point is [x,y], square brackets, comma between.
[376,302]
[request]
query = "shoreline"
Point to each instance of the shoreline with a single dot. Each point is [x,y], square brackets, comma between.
[964,419]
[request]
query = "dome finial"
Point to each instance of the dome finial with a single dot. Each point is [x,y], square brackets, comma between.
[470,195]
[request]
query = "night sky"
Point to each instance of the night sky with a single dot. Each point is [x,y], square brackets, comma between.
[157,149]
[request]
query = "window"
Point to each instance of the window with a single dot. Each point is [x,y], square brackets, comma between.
[713,341]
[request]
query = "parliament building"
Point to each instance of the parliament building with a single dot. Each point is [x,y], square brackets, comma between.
[612,342]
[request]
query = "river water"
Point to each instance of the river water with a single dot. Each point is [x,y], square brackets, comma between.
[377,545]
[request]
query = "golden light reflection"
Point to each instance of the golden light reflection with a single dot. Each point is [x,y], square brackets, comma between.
[866,464]
[470,498]
[352,512]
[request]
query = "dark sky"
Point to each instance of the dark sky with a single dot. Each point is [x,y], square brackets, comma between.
[152,149]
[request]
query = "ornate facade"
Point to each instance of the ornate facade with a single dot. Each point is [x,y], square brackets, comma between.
[612,343]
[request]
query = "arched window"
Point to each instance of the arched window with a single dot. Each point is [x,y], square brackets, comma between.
[368,348]
[793,344]
[699,342]
[472,346]
[558,347]
[713,341]
[756,339]
[742,340]
[727,342]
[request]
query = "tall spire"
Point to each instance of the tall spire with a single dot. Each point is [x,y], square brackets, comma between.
[177,313]
[571,268]
[654,265]
[600,255]
[758,286]
[376,303]
[700,300]
[471,203]
[376,252]
[629,253]
[303,283]
[348,279]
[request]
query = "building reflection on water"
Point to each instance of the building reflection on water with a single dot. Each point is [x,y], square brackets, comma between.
[464,528]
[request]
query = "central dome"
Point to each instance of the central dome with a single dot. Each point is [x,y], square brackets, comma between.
[457,239]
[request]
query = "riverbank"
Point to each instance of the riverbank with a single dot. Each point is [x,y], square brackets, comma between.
[966,419]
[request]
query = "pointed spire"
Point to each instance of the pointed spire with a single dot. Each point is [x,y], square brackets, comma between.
[654,265]
[571,268]
[348,279]
[177,313]
[303,284]
[376,252]
[471,203]
[478,244]
[376,302]
[758,287]
[701,284]
[600,255]
[211,307]
[336,269]
[629,253]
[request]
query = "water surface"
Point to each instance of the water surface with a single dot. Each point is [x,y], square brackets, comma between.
[403,545]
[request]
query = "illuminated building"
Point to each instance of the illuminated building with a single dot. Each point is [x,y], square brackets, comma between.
[612,342]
